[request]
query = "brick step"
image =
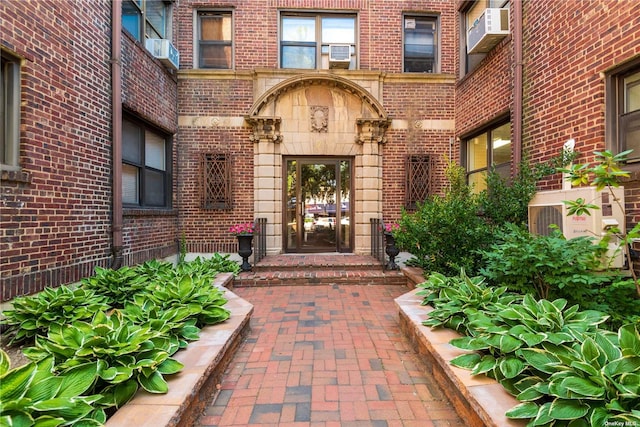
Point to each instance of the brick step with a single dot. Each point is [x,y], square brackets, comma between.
[318,262]
[314,276]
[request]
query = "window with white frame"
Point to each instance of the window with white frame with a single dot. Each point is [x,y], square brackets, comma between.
[146,166]
[623,110]
[491,147]
[146,19]
[318,40]
[215,40]
[420,44]
[9,111]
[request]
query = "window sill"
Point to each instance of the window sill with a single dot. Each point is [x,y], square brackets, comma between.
[15,176]
[140,212]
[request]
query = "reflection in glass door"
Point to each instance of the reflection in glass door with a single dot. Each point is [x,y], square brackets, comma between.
[317,205]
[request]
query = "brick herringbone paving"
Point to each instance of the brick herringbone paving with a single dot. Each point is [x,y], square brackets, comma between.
[326,355]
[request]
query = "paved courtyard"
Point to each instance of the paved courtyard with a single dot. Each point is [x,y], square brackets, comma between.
[326,355]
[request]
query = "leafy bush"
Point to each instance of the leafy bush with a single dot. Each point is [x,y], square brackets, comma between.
[30,395]
[546,266]
[33,315]
[556,360]
[445,233]
[118,286]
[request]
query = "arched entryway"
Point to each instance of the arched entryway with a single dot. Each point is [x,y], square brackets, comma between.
[329,122]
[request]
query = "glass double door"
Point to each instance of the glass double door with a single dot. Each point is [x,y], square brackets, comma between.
[317,205]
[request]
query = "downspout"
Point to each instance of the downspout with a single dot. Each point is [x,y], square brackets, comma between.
[517,84]
[116,133]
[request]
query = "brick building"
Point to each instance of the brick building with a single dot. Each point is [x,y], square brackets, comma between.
[316,116]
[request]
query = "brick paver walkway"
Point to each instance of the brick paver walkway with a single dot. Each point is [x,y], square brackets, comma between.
[326,355]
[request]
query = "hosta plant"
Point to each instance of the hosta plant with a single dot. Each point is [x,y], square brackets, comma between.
[33,315]
[195,292]
[179,322]
[453,297]
[118,286]
[592,383]
[127,354]
[31,395]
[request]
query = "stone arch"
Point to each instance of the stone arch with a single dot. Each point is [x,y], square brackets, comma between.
[270,96]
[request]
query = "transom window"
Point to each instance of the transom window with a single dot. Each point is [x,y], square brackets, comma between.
[490,147]
[312,41]
[9,111]
[146,178]
[420,44]
[215,40]
[146,18]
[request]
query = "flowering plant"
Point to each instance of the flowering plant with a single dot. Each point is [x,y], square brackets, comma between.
[390,228]
[246,228]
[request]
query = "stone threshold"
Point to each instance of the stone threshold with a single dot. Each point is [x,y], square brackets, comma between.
[478,399]
[192,389]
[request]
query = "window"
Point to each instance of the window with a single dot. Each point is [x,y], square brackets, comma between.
[623,110]
[155,22]
[470,16]
[216,181]
[420,44]
[491,146]
[418,180]
[9,111]
[146,178]
[215,40]
[306,41]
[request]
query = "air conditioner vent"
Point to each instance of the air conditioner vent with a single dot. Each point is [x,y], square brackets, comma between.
[339,56]
[165,51]
[488,30]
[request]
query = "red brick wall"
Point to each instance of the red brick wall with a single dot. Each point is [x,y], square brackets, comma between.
[256,46]
[55,223]
[150,91]
[568,47]
[55,220]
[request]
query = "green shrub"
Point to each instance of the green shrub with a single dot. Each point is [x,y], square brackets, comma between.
[446,233]
[118,286]
[546,266]
[31,395]
[554,359]
[33,315]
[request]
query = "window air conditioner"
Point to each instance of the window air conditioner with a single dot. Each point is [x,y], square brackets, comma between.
[547,208]
[491,27]
[339,56]
[164,50]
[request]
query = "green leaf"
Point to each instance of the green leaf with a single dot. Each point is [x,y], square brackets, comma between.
[45,389]
[523,411]
[540,359]
[154,383]
[583,387]
[511,367]
[486,364]
[5,363]
[469,343]
[170,366]
[532,393]
[15,382]
[562,409]
[78,379]
[629,340]
[625,364]
[466,361]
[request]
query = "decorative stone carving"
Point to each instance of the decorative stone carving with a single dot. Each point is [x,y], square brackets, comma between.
[265,128]
[319,118]
[372,130]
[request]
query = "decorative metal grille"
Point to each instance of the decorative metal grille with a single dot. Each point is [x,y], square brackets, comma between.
[216,181]
[418,180]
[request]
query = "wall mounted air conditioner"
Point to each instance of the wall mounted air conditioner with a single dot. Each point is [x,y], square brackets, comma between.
[339,56]
[547,208]
[165,51]
[491,27]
